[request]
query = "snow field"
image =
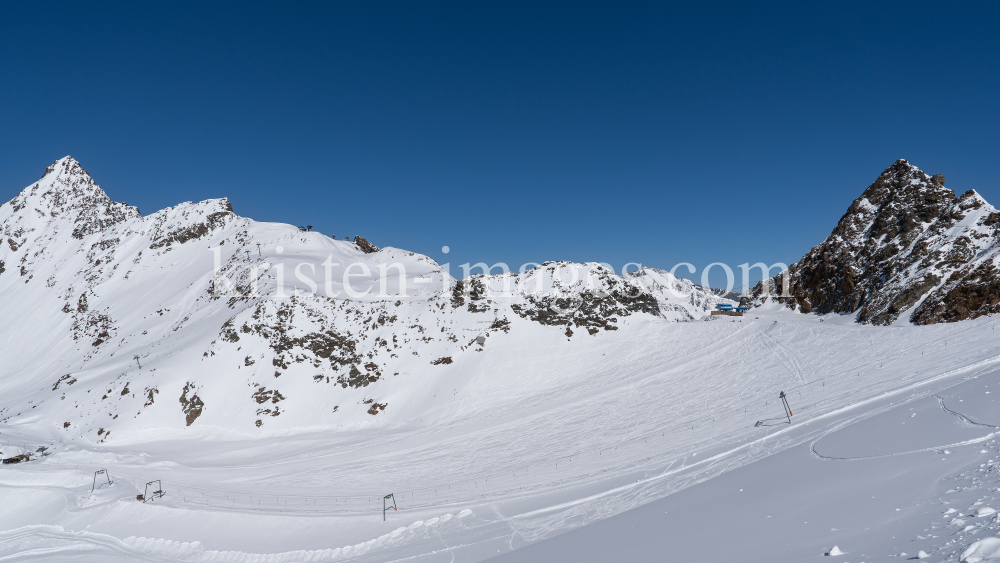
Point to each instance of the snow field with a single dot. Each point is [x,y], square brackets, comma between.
[598,439]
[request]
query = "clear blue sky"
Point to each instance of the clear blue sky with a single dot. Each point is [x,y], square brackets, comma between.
[508,131]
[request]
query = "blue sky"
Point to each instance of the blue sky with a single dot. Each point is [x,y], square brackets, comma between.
[511,132]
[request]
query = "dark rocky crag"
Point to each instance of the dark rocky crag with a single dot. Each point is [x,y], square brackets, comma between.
[364,245]
[907,245]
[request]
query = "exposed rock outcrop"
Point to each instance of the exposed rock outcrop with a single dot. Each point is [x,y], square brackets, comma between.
[364,245]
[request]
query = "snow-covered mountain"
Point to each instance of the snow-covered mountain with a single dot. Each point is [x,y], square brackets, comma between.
[190,396]
[907,249]
[114,322]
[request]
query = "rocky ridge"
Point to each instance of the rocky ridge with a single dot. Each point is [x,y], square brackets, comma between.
[194,316]
[907,249]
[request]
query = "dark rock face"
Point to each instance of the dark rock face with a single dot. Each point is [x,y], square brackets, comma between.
[190,232]
[364,245]
[599,307]
[191,406]
[907,241]
[587,309]
[967,295]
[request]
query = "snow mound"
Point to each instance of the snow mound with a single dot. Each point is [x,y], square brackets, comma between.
[164,547]
[985,549]
[922,554]
[834,551]
[985,511]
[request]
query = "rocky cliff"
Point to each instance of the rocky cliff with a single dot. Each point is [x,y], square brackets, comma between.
[908,248]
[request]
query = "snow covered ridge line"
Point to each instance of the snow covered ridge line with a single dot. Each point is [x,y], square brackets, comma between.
[636,273]
[115,322]
[525,282]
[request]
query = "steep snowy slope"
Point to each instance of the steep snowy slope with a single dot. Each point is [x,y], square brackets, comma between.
[907,248]
[114,322]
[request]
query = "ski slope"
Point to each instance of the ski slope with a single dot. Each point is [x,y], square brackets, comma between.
[527,443]
[912,475]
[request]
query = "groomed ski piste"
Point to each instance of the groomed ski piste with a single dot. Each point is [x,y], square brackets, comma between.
[539,440]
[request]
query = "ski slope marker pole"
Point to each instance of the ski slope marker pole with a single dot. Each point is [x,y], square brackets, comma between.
[385,507]
[788,410]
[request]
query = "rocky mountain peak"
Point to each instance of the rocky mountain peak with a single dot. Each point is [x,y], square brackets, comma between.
[64,167]
[65,182]
[901,199]
[906,239]
[67,192]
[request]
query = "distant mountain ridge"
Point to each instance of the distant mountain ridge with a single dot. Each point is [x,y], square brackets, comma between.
[908,249]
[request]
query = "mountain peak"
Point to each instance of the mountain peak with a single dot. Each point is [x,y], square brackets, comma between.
[66,175]
[65,166]
[902,174]
[67,191]
[903,169]
[904,248]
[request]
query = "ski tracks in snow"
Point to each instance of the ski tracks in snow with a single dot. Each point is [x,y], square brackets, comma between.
[44,542]
[792,362]
[891,406]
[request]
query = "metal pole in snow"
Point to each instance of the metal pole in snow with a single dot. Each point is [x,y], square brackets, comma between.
[136,358]
[258,250]
[788,410]
[385,507]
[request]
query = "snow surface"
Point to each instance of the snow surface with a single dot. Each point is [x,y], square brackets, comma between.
[632,441]
[871,479]
[982,550]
